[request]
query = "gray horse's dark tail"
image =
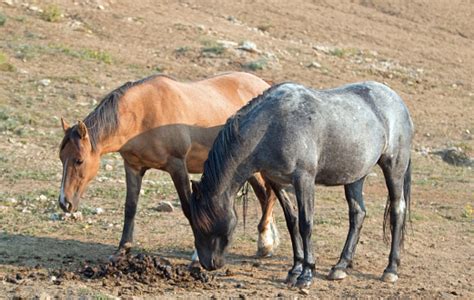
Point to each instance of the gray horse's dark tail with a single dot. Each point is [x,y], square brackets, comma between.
[388,207]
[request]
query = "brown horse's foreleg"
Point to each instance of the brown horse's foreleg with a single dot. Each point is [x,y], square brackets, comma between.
[179,174]
[134,182]
[268,238]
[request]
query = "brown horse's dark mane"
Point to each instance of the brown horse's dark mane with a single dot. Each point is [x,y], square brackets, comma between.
[104,119]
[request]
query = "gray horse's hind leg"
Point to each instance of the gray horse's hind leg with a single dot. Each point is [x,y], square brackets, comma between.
[291,218]
[134,181]
[394,169]
[268,238]
[357,212]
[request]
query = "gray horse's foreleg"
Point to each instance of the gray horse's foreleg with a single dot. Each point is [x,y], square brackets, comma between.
[357,213]
[134,182]
[291,218]
[268,238]
[304,190]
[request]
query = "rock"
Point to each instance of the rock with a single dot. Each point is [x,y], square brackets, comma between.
[454,156]
[43,197]
[44,296]
[8,2]
[44,82]
[109,167]
[227,44]
[248,46]
[55,217]
[99,211]
[314,64]
[164,206]
[304,292]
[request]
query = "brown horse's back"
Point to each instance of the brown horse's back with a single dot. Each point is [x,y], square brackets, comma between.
[162,120]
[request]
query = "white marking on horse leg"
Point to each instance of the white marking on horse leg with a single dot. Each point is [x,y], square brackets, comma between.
[401,205]
[265,242]
[195,256]
[61,195]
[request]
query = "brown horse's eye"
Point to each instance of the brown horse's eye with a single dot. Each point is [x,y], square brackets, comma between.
[78,162]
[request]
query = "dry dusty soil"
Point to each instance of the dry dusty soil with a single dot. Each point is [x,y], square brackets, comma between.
[59,58]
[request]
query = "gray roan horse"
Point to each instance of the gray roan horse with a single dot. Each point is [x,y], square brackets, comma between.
[298,136]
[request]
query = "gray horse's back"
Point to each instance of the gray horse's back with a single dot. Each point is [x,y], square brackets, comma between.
[340,132]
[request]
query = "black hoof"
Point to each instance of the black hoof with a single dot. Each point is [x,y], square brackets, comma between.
[305,279]
[304,282]
[293,275]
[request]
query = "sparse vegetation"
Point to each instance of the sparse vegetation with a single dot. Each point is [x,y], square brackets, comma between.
[212,47]
[52,13]
[3,19]
[256,65]
[4,64]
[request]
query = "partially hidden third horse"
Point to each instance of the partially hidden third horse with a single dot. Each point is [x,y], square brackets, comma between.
[159,123]
[298,136]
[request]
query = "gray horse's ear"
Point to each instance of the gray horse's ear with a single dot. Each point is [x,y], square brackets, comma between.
[64,124]
[196,188]
[82,129]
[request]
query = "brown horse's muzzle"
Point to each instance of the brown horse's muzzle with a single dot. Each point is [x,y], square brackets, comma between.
[65,205]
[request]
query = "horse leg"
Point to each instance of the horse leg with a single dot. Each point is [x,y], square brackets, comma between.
[357,212]
[304,189]
[179,174]
[268,238]
[395,169]
[134,182]
[291,218]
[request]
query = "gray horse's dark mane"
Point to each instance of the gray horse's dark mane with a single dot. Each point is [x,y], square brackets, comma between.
[220,164]
[221,153]
[104,119]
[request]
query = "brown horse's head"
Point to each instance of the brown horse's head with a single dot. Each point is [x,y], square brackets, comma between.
[80,164]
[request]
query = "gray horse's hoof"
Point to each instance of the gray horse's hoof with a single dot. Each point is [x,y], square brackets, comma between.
[337,274]
[389,277]
[304,282]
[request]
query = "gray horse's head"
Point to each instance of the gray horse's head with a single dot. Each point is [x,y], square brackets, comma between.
[213,228]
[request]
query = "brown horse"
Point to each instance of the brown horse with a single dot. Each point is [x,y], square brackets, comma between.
[160,123]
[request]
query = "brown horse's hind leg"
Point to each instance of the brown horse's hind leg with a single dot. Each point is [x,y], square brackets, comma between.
[268,238]
[134,181]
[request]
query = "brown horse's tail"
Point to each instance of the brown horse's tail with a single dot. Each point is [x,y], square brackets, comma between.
[406,217]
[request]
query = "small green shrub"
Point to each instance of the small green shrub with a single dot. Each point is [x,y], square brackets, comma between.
[52,13]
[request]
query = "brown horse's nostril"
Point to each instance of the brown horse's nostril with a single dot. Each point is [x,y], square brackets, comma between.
[65,205]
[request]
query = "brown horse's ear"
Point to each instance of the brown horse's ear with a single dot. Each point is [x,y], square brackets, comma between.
[64,124]
[82,129]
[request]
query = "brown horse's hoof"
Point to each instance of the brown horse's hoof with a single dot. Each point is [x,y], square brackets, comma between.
[194,264]
[389,277]
[264,252]
[121,251]
[337,274]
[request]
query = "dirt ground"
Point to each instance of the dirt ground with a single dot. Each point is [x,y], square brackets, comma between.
[59,58]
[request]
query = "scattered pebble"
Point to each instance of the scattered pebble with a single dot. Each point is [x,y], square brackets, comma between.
[43,197]
[44,82]
[109,167]
[99,211]
[164,206]
[304,292]
[248,46]
[314,64]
